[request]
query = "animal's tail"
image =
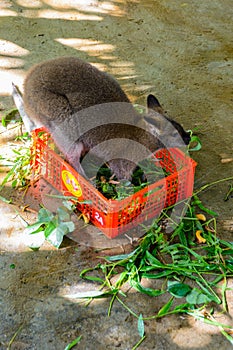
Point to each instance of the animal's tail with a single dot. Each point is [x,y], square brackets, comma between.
[18,99]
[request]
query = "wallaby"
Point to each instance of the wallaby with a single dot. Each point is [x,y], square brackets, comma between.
[85,110]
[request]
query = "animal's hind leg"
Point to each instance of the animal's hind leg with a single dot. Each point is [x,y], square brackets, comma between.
[18,99]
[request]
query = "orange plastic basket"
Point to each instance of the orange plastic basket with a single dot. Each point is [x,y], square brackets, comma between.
[115,217]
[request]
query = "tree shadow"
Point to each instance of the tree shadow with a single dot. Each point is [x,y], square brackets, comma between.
[89,30]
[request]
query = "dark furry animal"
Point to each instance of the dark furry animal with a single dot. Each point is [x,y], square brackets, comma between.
[86,111]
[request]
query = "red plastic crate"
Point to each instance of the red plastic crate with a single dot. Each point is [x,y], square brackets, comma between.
[115,217]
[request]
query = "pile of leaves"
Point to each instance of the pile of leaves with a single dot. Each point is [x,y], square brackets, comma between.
[20,165]
[191,262]
[111,188]
[146,173]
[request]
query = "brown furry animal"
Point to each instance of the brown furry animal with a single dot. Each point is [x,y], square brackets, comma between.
[86,111]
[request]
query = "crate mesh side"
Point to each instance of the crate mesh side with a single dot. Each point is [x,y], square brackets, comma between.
[119,216]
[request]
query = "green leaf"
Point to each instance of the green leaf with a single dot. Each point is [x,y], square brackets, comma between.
[199,316]
[14,183]
[141,328]
[84,272]
[49,229]
[67,226]
[153,261]
[34,228]
[157,275]
[197,201]
[3,199]
[9,174]
[181,308]
[8,116]
[122,279]
[56,237]
[227,244]
[44,215]
[212,295]
[178,290]
[149,291]
[94,279]
[69,205]
[196,140]
[165,309]
[63,214]
[136,346]
[121,256]
[73,343]
[182,236]
[196,296]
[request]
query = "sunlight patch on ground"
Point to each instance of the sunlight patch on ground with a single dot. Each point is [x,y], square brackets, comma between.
[9,48]
[10,62]
[7,77]
[7,13]
[30,3]
[58,9]
[122,68]
[67,15]
[95,48]
[11,65]
[92,47]
[87,6]
[66,9]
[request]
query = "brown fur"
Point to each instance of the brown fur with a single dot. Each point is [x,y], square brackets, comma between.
[57,94]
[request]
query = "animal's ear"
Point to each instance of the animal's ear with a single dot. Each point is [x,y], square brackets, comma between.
[153,103]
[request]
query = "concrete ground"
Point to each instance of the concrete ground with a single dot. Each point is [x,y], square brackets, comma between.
[182,52]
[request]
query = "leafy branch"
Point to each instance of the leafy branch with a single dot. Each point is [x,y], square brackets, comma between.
[190,270]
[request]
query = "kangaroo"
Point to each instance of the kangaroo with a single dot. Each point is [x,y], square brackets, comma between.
[85,110]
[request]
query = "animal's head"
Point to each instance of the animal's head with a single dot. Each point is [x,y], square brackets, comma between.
[159,131]
[154,105]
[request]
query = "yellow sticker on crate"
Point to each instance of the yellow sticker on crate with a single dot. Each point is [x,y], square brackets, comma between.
[71,183]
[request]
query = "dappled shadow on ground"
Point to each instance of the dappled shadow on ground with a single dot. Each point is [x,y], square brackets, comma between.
[179,50]
[90,30]
[39,299]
